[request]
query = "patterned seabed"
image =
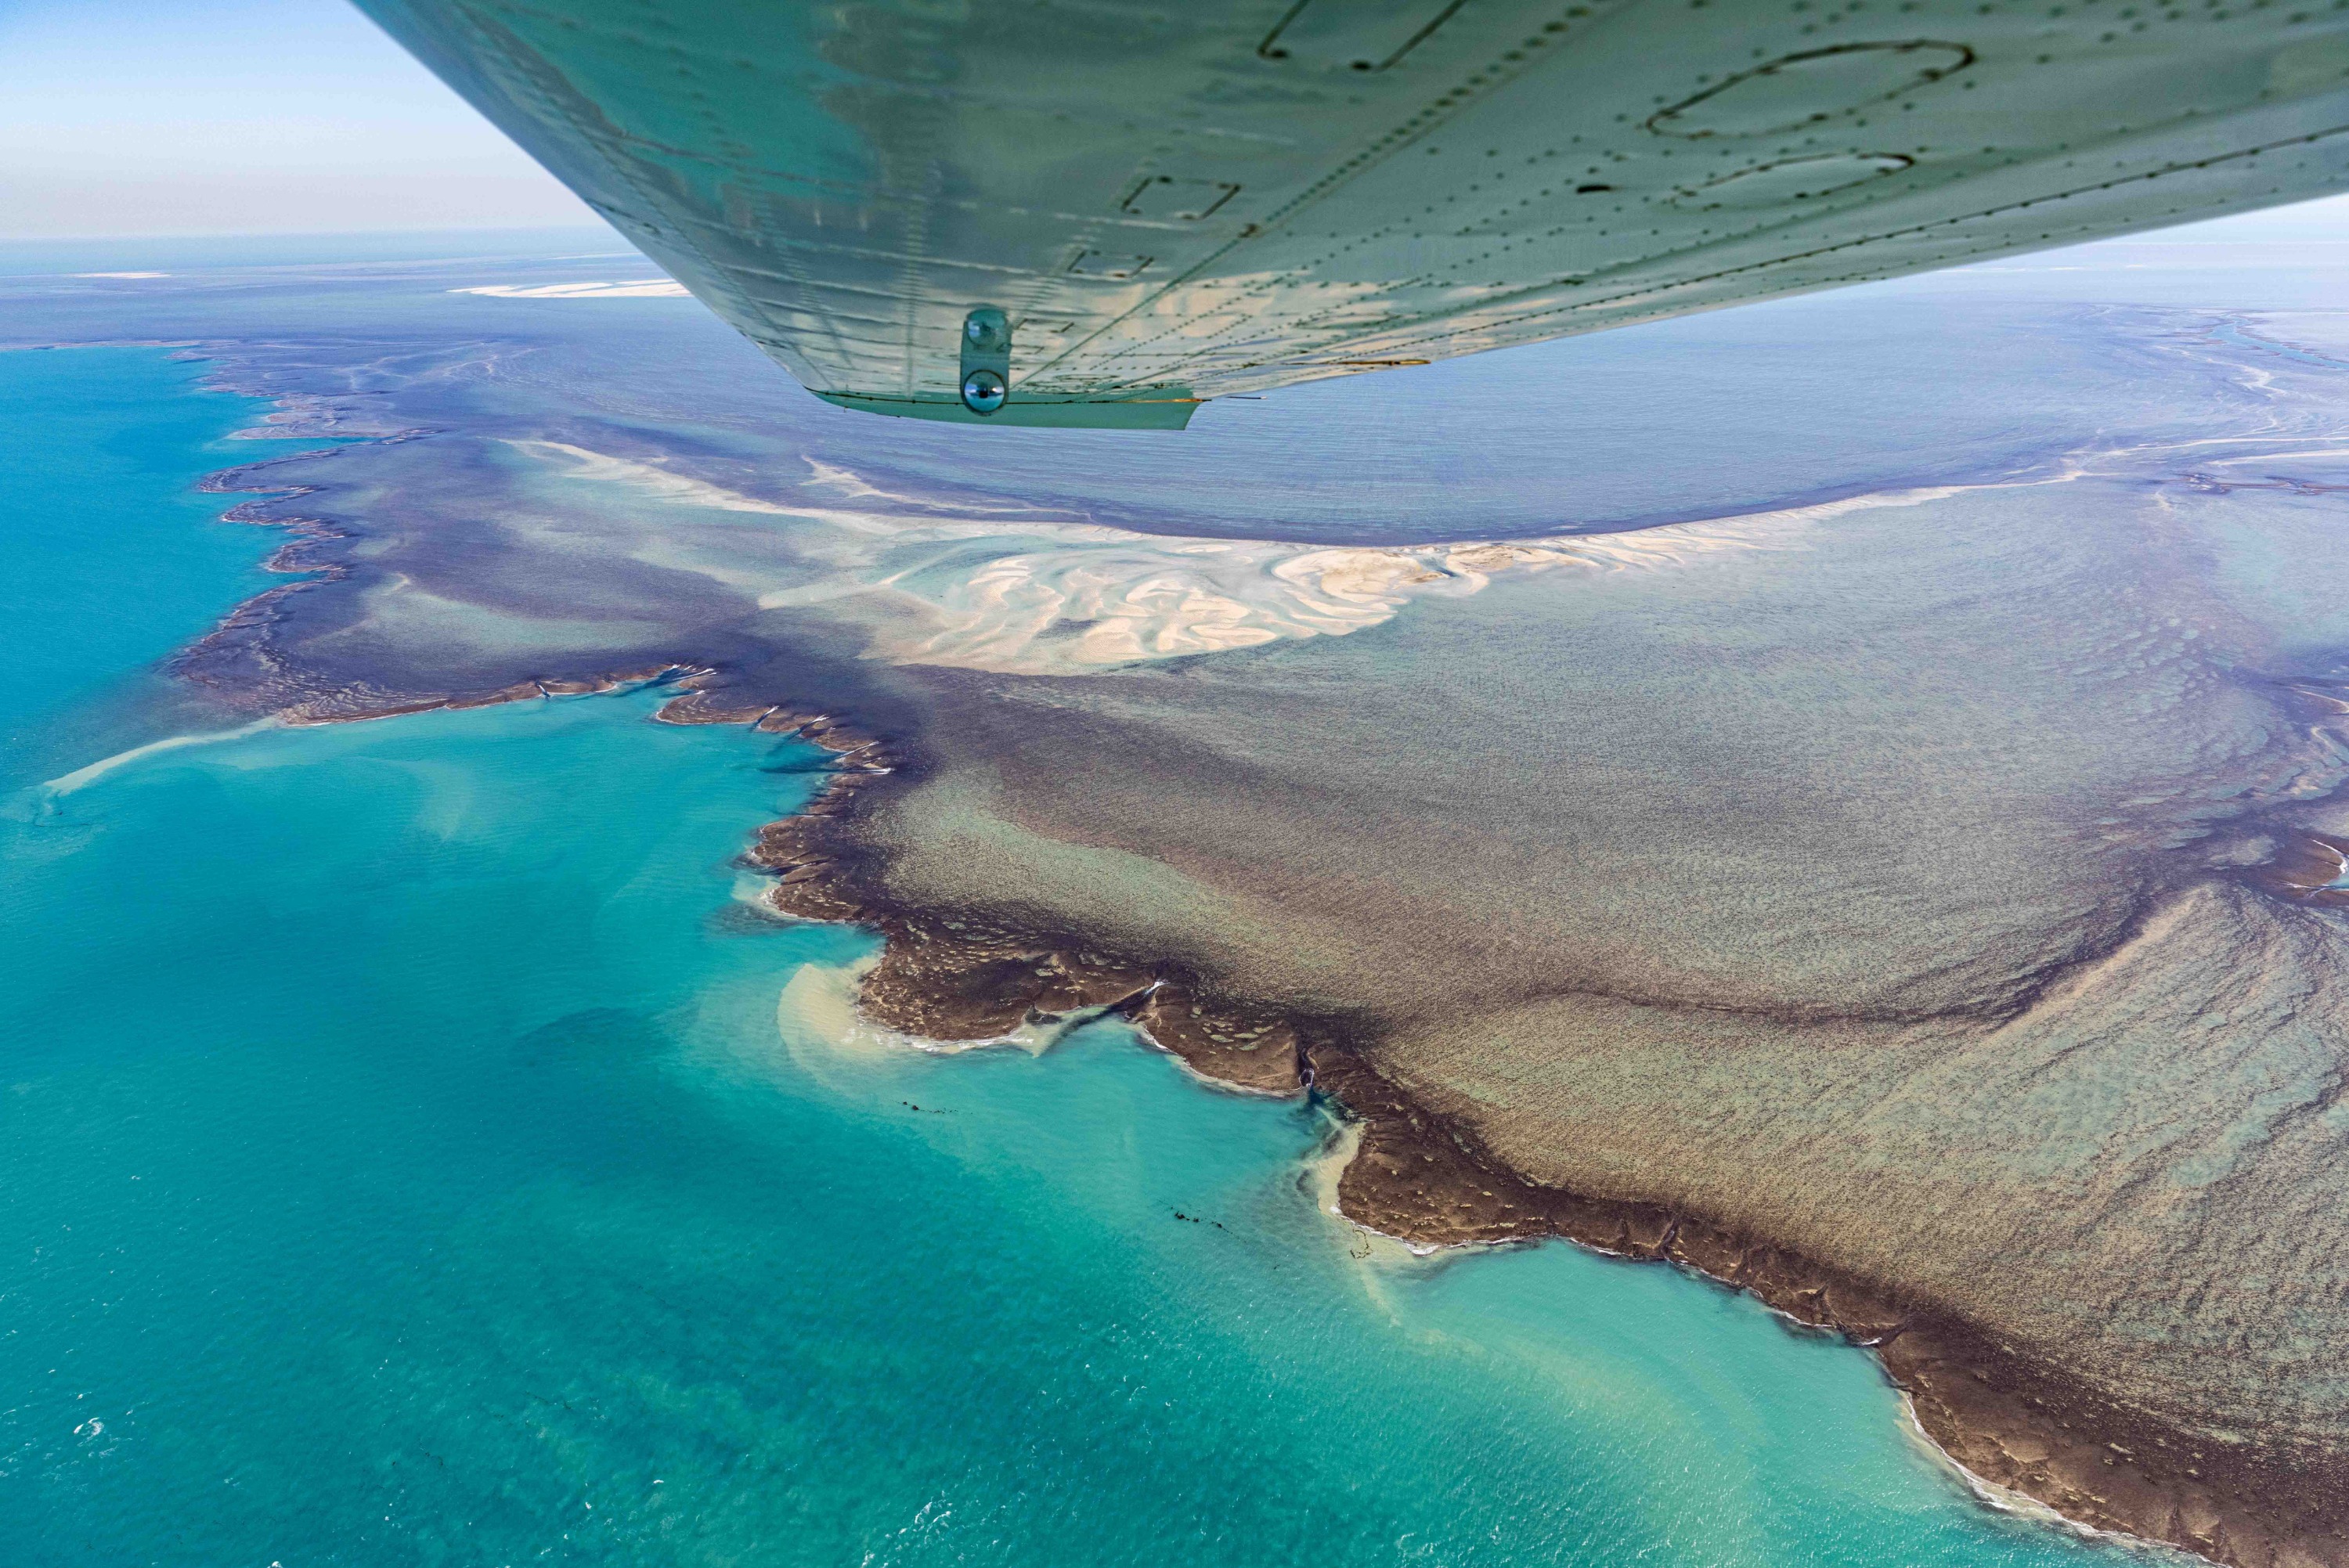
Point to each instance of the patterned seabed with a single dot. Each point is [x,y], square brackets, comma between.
[1861,853]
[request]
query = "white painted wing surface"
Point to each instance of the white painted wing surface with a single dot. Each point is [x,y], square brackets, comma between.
[1169,202]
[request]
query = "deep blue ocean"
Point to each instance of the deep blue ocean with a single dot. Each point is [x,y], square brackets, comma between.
[412,1156]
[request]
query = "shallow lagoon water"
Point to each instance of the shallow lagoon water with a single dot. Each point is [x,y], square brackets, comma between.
[408,1164]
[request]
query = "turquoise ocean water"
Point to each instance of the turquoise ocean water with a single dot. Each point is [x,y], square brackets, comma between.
[113,559]
[412,1157]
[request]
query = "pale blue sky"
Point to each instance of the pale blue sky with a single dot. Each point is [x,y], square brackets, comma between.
[212,117]
[194,116]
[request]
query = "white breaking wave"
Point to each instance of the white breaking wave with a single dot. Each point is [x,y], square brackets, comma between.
[1034,596]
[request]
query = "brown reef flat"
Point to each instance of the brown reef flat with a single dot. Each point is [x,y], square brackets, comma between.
[1913,913]
[1230,967]
[1425,1178]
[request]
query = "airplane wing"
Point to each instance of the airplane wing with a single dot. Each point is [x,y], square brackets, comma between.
[1103,211]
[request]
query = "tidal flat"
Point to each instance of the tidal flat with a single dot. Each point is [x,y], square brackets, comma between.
[424,1144]
[1829,836]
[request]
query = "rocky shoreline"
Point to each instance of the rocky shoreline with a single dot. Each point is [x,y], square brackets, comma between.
[2009,1422]
[2002,1410]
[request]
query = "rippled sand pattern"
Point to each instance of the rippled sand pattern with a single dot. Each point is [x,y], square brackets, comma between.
[1062,598]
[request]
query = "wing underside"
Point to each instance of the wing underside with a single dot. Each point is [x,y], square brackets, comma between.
[1170,203]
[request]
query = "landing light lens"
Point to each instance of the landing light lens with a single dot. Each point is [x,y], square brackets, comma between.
[982,391]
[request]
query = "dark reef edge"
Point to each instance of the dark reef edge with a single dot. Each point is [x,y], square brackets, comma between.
[2011,1423]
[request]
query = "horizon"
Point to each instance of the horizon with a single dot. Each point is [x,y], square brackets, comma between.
[138,121]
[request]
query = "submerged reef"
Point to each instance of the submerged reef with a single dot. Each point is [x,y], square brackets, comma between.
[1916,906]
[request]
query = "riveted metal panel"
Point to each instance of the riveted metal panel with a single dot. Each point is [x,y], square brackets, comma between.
[1227,196]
